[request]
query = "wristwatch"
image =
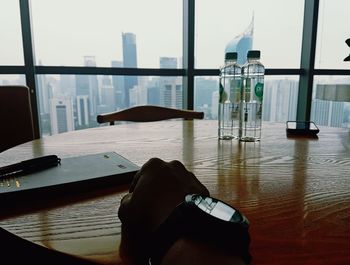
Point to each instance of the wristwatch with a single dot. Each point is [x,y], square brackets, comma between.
[206,219]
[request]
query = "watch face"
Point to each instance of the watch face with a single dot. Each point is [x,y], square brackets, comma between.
[216,208]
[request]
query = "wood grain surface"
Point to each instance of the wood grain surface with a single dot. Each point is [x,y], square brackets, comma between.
[294,191]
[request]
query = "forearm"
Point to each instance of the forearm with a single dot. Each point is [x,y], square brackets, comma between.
[189,252]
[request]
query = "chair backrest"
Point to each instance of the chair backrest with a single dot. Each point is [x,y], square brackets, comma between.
[15,116]
[148,113]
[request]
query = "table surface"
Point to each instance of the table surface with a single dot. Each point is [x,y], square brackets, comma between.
[295,192]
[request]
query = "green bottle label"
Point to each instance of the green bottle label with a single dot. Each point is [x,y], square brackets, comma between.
[259,90]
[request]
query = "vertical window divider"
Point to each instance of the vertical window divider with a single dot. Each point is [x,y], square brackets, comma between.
[188,53]
[307,61]
[29,60]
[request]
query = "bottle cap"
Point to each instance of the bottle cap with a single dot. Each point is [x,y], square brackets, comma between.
[253,54]
[231,56]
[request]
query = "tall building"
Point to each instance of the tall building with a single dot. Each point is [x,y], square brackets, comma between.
[88,85]
[215,105]
[280,100]
[153,95]
[118,87]
[61,115]
[83,111]
[45,93]
[327,113]
[67,85]
[171,93]
[129,61]
[138,95]
[107,94]
[170,87]
[242,43]
[204,88]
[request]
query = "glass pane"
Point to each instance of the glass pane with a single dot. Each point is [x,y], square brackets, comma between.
[330,112]
[12,80]
[135,32]
[72,102]
[11,50]
[274,27]
[279,103]
[333,30]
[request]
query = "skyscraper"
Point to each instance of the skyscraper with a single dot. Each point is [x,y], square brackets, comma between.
[170,86]
[129,61]
[45,93]
[67,85]
[88,85]
[83,112]
[242,43]
[118,87]
[328,113]
[280,100]
[107,94]
[61,114]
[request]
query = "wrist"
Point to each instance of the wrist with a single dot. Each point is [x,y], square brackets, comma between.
[191,251]
[207,223]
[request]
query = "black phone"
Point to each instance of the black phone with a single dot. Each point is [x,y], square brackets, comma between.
[302,128]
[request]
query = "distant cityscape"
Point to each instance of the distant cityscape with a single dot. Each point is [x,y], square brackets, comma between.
[72,102]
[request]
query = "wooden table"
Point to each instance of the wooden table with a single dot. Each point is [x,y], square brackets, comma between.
[295,192]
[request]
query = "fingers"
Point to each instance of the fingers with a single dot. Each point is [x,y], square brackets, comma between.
[155,168]
[150,166]
[177,165]
[123,209]
[196,186]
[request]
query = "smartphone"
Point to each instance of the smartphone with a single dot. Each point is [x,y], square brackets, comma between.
[302,128]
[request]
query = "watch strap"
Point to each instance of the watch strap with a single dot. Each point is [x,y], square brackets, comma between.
[164,237]
[184,221]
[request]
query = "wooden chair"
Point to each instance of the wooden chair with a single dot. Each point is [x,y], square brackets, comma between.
[15,116]
[148,113]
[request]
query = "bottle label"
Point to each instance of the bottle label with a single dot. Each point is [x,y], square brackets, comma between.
[259,90]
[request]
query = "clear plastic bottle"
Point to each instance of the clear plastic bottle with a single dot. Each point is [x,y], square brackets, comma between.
[252,98]
[229,98]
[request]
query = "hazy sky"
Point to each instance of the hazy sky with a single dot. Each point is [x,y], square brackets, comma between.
[66,30]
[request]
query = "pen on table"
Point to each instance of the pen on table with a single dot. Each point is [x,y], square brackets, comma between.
[30,166]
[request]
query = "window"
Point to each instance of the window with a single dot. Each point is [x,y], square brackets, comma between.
[330,113]
[11,50]
[72,102]
[332,32]
[12,80]
[135,32]
[225,25]
[279,104]
[130,53]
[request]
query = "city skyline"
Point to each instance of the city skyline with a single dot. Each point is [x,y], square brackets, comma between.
[63,42]
[70,102]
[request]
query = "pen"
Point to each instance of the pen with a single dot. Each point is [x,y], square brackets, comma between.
[30,166]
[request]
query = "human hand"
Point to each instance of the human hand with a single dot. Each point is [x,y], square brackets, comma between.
[158,187]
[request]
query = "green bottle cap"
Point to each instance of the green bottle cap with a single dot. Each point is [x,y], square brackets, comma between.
[253,54]
[231,56]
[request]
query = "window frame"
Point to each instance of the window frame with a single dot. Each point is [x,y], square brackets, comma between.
[306,71]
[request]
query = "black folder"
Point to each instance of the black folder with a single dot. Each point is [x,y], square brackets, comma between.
[81,173]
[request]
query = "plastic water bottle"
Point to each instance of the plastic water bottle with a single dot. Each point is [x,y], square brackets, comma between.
[229,98]
[252,98]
